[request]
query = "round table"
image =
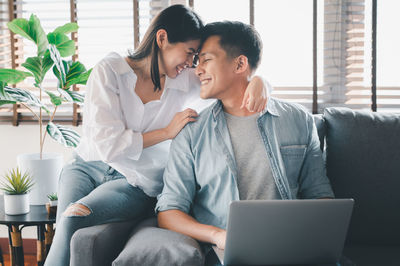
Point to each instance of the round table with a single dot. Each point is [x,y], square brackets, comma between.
[38,217]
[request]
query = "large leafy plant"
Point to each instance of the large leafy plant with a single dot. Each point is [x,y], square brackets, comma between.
[51,49]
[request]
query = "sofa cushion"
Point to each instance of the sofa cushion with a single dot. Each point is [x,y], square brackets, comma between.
[363,162]
[320,124]
[99,245]
[373,255]
[149,245]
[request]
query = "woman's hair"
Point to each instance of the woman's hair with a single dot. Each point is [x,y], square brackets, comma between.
[181,25]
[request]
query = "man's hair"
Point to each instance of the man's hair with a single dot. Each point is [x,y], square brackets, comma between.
[236,38]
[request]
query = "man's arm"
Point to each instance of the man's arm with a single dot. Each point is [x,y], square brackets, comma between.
[183,223]
[176,199]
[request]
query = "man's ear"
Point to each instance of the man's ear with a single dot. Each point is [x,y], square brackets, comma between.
[161,38]
[242,64]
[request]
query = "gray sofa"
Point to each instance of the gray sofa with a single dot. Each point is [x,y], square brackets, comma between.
[362,152]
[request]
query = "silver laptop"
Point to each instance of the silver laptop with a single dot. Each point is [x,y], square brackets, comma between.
[276,232]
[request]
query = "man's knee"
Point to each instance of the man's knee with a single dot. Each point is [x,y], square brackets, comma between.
[77,209]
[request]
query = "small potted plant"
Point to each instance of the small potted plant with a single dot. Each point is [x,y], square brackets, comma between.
[51,206]
[16,187]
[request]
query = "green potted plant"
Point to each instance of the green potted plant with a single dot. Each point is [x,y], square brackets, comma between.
[52,48]
[51,206]
[16,186]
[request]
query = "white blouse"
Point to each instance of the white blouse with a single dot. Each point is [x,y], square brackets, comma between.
[115,118]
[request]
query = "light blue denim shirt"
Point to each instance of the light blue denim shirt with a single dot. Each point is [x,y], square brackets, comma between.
[200,177]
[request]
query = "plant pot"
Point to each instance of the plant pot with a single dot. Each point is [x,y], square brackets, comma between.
[53,203]
[51,209]
[16,204]
[45,173]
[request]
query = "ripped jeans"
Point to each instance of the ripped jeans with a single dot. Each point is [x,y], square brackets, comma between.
[105,193]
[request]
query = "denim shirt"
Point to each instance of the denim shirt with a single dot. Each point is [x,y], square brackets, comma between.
[200,177]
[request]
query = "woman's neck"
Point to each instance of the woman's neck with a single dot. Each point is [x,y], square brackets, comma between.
[141,67]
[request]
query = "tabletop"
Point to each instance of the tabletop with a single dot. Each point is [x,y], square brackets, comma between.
[37,215]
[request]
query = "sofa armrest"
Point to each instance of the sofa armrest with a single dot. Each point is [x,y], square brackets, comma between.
[99,245]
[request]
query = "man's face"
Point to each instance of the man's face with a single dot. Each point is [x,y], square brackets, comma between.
[215,70]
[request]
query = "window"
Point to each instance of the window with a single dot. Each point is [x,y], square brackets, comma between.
[343,42]
[104,26]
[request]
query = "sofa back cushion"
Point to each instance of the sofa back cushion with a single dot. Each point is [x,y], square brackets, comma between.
[363,162]
[320,124]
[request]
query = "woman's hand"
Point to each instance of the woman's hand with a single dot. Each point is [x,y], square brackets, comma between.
[255,97]
[179,121]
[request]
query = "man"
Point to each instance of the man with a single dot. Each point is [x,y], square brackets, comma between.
[230,153]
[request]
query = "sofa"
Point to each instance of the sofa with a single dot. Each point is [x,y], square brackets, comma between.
[362,155]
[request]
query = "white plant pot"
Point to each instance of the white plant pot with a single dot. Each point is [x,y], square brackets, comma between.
[53,203]
[16,204]
[45,173]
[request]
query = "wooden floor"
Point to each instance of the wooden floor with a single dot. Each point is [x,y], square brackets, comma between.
[29,260]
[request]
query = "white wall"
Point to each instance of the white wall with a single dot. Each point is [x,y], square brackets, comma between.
[25,139]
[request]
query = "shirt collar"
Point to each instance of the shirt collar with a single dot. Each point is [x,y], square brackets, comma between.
[270,108]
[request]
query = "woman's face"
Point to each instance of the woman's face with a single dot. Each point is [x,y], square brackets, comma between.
[175,57]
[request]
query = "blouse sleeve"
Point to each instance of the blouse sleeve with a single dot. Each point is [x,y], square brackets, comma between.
[104,123]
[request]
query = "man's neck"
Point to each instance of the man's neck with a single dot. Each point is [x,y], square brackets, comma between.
[233,101]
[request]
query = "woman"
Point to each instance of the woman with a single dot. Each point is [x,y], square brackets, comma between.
[132,107]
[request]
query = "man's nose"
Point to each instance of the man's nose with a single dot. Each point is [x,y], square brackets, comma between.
[199,70]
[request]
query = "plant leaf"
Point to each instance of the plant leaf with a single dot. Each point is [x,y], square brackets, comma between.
[63,135]
[13,76]
[20,26]
[65,46]
[23,96]
[38,35]
[31,30]
[76,96]
[4,97]
[59,68]
[56,100]
[81,79]
[67,28]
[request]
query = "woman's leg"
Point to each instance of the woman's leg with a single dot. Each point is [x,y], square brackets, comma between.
[115,200]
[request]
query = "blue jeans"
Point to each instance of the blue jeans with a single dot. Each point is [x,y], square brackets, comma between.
[104,191]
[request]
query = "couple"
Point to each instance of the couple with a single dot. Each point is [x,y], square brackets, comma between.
[134,106]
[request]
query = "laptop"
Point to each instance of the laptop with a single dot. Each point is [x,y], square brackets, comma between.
[277,232]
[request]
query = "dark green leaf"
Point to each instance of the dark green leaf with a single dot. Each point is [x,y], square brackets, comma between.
[56,100]
[65,46]
[13,76]
[81,79]
[63,135]
[67,28]
[34,64]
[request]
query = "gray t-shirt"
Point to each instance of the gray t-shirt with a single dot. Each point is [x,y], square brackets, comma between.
[255,180]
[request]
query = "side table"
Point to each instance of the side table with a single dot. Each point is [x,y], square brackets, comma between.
[38,217]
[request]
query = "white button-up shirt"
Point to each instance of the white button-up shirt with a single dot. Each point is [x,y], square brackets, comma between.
[115,118]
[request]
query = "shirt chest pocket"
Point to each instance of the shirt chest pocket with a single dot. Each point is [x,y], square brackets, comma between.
[293,157]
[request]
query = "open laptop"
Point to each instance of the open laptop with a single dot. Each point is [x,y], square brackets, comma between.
[276,232]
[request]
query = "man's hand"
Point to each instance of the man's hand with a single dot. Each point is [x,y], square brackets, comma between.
[219,238]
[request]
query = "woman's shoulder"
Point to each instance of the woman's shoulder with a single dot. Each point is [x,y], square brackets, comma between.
[114,62]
